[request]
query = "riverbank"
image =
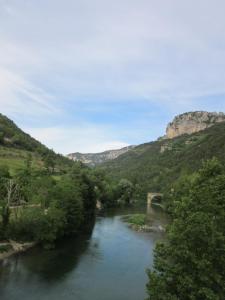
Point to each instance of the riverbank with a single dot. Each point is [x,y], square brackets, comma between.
[10,248]
[86,266]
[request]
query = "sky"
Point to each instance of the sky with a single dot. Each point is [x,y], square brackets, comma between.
[92,75]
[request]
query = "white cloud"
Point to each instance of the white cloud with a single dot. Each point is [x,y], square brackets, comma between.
[86,138]
[157,49]
[55,54]
[20,97]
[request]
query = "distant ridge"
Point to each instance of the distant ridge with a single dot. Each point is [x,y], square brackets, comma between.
[93,159]
[155,166]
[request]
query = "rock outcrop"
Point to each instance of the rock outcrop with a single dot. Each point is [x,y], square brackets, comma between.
[192,122]
[93,159]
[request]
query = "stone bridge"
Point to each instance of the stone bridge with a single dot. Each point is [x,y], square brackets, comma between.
[151,197]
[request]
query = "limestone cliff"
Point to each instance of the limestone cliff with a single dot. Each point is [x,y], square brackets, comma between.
[93,159]
[192,122]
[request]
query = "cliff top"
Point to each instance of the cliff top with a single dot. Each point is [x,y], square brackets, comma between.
[191,122]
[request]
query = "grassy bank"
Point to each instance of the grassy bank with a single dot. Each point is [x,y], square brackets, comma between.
[142,223]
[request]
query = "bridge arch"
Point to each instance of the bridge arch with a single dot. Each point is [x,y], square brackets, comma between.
[154,196]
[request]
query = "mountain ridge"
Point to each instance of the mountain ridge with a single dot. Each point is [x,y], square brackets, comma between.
[93,159]
[185,123]
[157,165]
[191,122]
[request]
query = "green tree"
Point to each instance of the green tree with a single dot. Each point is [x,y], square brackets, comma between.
[49,162]
[68,198]
[125,191]
[1,137]
[40,190]
[190,265]
[51,226]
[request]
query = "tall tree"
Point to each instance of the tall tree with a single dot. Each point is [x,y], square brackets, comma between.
[190,265]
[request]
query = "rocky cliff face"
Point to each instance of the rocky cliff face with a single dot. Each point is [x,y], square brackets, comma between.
[192,122]
[93,159]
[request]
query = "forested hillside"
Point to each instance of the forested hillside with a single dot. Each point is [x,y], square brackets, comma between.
[155,166]
[43,195]
[16,145]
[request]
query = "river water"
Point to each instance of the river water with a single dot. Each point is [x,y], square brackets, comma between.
[109,263]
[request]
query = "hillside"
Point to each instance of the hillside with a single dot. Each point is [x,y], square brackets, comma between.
[154,167]
[16,145]
[43,195]
[92,159]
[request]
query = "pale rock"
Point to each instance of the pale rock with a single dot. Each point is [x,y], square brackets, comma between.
[192,122]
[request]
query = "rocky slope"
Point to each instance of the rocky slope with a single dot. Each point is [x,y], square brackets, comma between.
[192,122]
[93,159]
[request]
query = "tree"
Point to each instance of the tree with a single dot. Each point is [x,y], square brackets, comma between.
[191,263]
[88,195]
[51,226]
[1,137]
[49,162]
[68,199]
[40,190]
[4,176]
[125,191]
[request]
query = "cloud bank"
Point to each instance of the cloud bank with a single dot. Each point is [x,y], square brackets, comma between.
[59,56]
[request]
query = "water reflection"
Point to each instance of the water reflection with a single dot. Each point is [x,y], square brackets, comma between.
[107,263]
[48,265]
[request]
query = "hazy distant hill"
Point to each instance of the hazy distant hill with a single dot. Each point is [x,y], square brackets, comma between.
[93,159]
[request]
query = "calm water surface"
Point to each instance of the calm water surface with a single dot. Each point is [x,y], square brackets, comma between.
[107,264]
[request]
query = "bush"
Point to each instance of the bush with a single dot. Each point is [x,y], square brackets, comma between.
[137,219]
[38,225]
[51,227]
[25,227]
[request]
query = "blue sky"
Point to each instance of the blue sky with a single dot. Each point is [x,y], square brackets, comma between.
[91,75]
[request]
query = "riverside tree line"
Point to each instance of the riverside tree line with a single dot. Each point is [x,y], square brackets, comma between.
[44,205]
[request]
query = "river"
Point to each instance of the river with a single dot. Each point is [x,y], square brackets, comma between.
[109,263]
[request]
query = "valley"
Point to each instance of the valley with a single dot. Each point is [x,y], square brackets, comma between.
[92,213]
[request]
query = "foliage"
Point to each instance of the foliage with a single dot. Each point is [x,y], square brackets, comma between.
[51,226]
[156,166]
[191,263]
[43,195]
[53,208]
[37,225]
[16,146]
[67,195]
[136,219]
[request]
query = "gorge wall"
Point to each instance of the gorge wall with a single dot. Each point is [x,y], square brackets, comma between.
[93,159]
[192,122]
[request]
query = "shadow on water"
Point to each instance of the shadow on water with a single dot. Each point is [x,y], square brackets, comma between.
[49,265]
[102,264]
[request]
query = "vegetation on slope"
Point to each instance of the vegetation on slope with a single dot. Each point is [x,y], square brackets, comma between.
[155,166]
[16,145]
[43,195]
[36,207]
